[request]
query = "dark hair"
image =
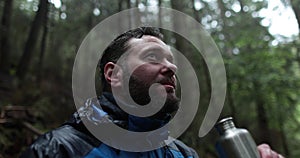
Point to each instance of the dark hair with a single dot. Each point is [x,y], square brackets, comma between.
[119,46]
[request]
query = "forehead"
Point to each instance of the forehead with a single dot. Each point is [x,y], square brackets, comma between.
[147,42]
[146,39]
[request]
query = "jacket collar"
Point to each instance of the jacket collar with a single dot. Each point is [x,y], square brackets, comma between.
[95,109]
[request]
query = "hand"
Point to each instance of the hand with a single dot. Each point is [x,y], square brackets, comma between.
[266,152]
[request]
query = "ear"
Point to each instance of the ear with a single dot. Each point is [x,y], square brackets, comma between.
[113,74]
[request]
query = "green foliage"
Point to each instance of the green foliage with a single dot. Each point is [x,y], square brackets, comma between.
[255,70]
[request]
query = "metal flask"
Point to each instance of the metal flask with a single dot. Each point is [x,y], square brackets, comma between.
[234,142]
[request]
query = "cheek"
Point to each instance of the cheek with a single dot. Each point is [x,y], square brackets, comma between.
[146,72]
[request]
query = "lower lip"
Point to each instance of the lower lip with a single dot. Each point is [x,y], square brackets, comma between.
[169,88]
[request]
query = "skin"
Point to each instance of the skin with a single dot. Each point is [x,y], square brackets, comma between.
[266,152]
[151,61]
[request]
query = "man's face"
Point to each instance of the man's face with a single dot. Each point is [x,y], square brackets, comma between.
[151,61]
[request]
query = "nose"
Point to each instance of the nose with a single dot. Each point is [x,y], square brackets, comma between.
[169,68]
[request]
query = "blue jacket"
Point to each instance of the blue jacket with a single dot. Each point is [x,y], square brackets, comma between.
[73,139]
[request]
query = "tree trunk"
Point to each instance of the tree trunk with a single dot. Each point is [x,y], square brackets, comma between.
[120,20]
[90,19]
[37,23]
[230,98]
[178,24]
[43,46]
[283,136]
[128,6]
[298,56]
[196,13]
[296,7]
[159,13]
[242,5]
[263,123]
[5,34]
[138,16]
[223,23]
[222,11]
[203,63]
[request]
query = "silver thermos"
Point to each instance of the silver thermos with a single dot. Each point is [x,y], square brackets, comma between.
[234,142]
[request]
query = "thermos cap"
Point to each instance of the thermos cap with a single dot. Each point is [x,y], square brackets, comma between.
[224,124]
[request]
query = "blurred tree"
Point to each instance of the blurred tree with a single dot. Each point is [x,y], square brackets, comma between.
[296,7]
[40,64]
[5,34]
[37,23]
[250,62]
[263,78]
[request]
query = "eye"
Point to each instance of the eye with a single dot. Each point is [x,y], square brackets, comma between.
[152,57]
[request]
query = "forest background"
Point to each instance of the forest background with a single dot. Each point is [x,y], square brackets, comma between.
[39,41]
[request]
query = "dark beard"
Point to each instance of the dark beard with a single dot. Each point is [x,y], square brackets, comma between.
[139,91]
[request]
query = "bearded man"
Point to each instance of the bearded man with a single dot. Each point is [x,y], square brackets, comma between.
[137,70]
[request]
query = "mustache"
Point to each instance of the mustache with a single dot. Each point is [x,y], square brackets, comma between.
[167,81]
[163,81]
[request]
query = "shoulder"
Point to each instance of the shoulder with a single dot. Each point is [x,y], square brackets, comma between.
[65,141]
[185,150]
